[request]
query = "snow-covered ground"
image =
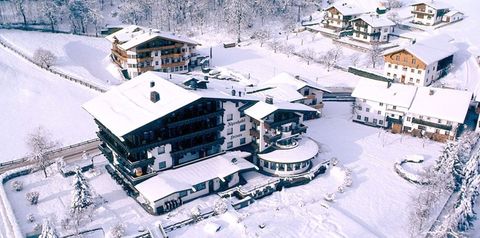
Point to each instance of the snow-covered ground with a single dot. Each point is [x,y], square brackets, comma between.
[79,56]
[32,97]
[374,206]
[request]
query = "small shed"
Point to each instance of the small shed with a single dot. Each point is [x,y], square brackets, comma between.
[452,16]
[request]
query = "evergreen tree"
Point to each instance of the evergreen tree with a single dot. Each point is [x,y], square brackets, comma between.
[48,231]
[82,193]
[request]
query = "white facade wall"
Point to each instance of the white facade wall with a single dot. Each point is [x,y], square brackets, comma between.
[232,130]
[266,166]
[370,112]
[453,18]
[413,76]
[429,20]
[383,37]
[162,154]
[409,123]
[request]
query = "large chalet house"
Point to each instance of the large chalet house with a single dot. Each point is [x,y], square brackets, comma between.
[288,88]
[420,63]
[137,49]
[174,138]
[372,28]
[339,14]
[435,113]
[429,12]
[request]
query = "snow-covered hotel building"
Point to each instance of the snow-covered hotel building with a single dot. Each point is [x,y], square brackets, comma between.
[429,12]
[420,63]
[176,138]
[435,113]
[137,49]
[372,28]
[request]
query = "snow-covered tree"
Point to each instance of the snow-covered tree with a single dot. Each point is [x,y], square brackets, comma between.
[32,197]
[220,206]
[48,230]
[238,14]
[52,11]
[262,36]
[308,55]
[355,59]
[374,55]
[20,6]
[117,231]
[39,143]
[44,57]
[82,199]
[332,56]
[468,195]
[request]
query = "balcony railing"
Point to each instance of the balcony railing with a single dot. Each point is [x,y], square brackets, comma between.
[161,141]
[181,63]
[300,129]
[281,122]
[197,147]
[432,124]
[145,69]
[318,106]
[272,138]
[195,119]
[165,47]
[174,55]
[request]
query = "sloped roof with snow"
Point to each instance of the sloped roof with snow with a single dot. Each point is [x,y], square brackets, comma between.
[375,20]
[434,4]
[447,104]
[288,79]
[133,35]
[429,50]
[347,8]
[184,178]
[306,149]
[261,109]
[453,12]
[397,94]
[280,92]
[127,107]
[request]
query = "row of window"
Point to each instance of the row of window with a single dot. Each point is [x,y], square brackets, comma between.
[430,119]
[230,129]
[374,121]
[285,167]
[230,143]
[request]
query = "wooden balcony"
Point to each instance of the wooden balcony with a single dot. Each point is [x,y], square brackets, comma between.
[198,147]
[120,55]
[141,60]
[310,96]
[254,133]
[165,47]
[181,63]
[145,69]
[174,55]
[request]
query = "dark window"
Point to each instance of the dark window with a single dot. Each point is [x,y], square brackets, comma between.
[162,165]
[242,141]
[242,127]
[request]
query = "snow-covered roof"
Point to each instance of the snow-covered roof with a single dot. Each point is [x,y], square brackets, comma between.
[397,94]
[347,8]
[297,82]
[261,109]
[453,12]
[184,178]
[306,149]
[446,104]
[375,20]
[128,106]
[429,50]
[434,4]
[280,92]
[132,36]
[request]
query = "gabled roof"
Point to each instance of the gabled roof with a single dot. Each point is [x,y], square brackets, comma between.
[447,104]
[287,79]
[379,91]
[375,20]
[128,107]
[434,4]
[429,50]
[133,35]
[453,12]
[346,8]
[261,109]
[184,178]
[280,92]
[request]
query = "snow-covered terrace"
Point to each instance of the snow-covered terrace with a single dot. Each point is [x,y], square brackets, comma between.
[184,178]
[305,150]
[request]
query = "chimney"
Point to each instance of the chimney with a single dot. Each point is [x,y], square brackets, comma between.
[297,76]
[431,92]
[269,99]
[154,96]
[414,41]
[233,92]
[205,77]
[152,84]
[389,84]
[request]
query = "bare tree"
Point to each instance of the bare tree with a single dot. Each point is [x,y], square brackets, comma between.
[394,3]
[239,14]
[288,49]
[274,44]
[44,57]
[308,55]
[375,53]
[355,59]
[262,36]
[40,143]
[20,7]
[393,16]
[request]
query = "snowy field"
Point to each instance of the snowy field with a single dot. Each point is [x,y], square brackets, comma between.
[80,56]
[32,97]
[375,205]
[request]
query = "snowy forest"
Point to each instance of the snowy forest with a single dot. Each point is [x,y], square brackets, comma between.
[184,16]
